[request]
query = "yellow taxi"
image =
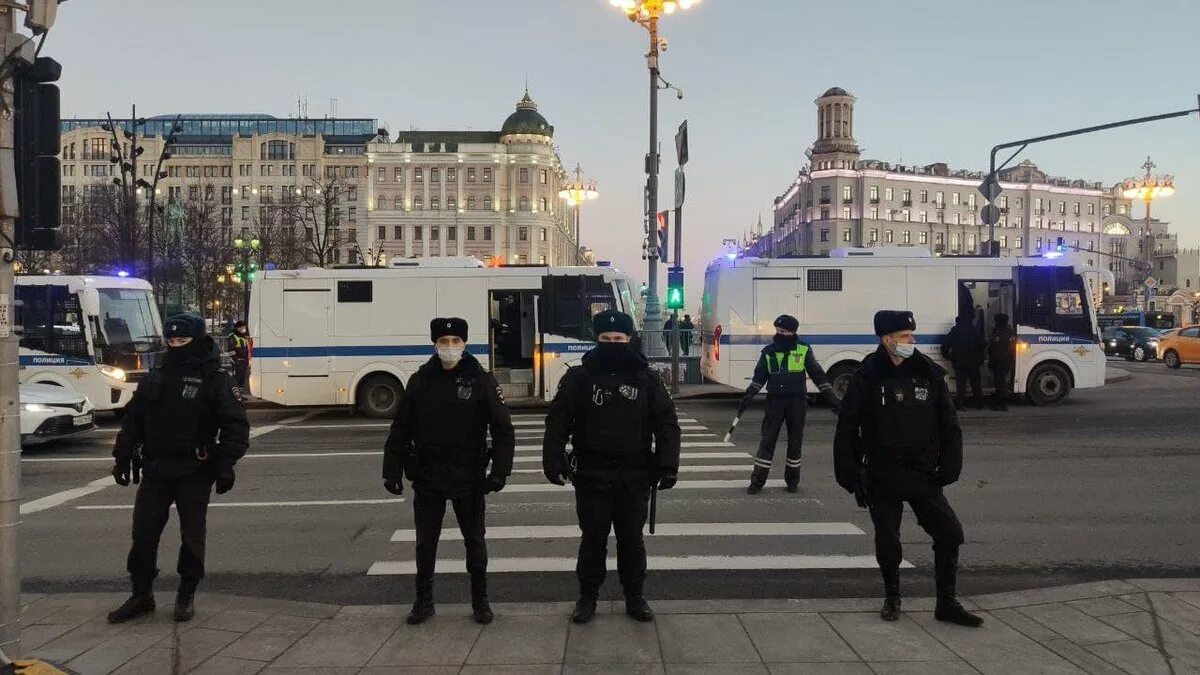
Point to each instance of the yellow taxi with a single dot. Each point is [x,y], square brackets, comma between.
[1180,346]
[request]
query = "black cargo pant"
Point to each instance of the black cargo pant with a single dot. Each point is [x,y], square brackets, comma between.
[934,515]
[151,509]
[241,374]
[780,409]
[620,506]
[428,511]
[1001,374]
[962,376]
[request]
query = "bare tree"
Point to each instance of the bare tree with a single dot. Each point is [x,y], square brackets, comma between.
[202,246]
[108,225]
[281,243]
[317,210]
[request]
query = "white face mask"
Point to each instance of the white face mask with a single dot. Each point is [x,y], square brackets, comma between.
[450,355]
[903,350]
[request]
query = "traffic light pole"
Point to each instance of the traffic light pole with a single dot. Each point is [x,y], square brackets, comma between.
[652,323]
[10,418]
[675,344]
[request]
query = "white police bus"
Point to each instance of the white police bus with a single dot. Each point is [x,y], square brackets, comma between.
[96,335]
[1050,300]
[353,336]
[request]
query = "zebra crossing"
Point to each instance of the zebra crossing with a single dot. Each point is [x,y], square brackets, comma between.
[708,466]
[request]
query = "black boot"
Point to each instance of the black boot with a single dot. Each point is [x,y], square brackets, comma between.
[585,609]
[422,608]
[948,608]
[480,608]
[637,608]
[185,600]
[754,488]
[138,604]
[891,596]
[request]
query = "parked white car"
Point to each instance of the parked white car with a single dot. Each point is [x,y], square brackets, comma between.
[49,412]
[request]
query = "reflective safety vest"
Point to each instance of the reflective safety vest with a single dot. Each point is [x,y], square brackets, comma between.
[787,362]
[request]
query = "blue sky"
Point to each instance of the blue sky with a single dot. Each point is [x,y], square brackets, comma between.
[936,80]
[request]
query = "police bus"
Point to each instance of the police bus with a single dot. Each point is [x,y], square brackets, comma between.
[96,335]
[1050,300]
[353,336]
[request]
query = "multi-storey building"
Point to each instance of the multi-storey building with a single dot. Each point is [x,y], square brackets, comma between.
[843,200]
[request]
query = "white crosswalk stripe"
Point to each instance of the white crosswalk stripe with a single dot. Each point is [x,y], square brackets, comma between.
[662,530]
[698,562]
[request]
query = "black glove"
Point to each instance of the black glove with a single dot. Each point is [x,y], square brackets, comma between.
[395,487]
[496,483]
[668,481]
[121,471]
[860,498]
[554,474]
[224,482]
[837,410]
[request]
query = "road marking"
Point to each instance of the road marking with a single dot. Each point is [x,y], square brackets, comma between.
[699,562]
[260,431]
[320,502]
[532,458]
[690,468]
[60,498]
[661,530]
[528,456]
[683,444]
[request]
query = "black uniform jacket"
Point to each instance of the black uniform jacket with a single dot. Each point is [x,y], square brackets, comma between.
[785,370]
[184,416]
[901,420]
[439,438]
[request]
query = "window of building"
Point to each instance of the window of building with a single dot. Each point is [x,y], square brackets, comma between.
[276,150]
[954,242]
[939,238]
[825,214]
[545,205]
[970,242]
[470,174]
[245,213]
[1121,209]
[1039,244]
[523,234]
[1004,202]
[924,196]
[487,203]
[874,213]
[451,203]
[524,175]
[846,235]
[352,172]
[381,232]
[398,232]
[310,170]
[971,200]
[1091,209]
[263,169]
[227,195]
[939,199]
[888,237]
[352,194]
[923,238]
[846,212]
[523,204]
[487,174]
[382,203]
[418,175]
[418,203]
[543,176]
[435,233]
[874,194]
[1062,208]
[1077,208]
[1037,205]
[907,237]
[542,234]
[352,213]
[471,233]
[227,216]
[382,175]
[1018,221]
[826,191]
[1003,241]
[847,193]
[874,236]
[906,196]
[824,234]
[471,203]
[487,233]
[923,217]
[452,175]
[433,175]
[888,194]
[1019,242]
[418,233]
[958,219]
[435,203]
[955,198]
[887,215]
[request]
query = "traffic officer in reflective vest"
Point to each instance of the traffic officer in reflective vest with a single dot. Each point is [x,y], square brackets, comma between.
[439,439]
[784,368]
[897,441]
[238,343]
[611,408]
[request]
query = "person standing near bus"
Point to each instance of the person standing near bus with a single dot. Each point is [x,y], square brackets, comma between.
[439,439]
[964,347]
[784,367]
[184,430]
[685,333]
[612,408]
[238,343]
[897,441]
[1002,356]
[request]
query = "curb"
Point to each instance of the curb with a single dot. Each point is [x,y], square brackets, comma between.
[1114,375]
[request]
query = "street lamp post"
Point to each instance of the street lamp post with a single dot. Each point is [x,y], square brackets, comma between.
[246,269]
[576,193]
[647,13]
[1147,188]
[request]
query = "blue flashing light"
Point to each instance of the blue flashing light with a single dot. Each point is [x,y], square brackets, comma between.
[731,256]
[123,274]
[1052,254]
[270,267]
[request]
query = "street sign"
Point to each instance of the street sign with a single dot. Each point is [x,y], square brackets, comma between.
[990,214]
[1151,292]
[680,184]
[681,144]
[1150,282]
[990,188]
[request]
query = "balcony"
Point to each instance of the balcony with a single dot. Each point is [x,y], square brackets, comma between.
[874,200]
[825,201]
[906,202]
[847,201]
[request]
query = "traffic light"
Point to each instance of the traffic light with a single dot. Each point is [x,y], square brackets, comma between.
[663,226]
[36,146]
[675,288]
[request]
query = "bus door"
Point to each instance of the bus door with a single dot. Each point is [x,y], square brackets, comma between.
[565,311]
[306,323]
[512,343]
[983,299]
[1053,313]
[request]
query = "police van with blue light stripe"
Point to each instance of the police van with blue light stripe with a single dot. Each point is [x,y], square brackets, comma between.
[1052,300]
[354,335]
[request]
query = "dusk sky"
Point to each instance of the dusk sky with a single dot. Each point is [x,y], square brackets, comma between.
[936,80]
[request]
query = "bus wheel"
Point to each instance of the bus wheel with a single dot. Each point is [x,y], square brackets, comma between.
[1171,358]
[379,396]
[839,378]
[1048,384]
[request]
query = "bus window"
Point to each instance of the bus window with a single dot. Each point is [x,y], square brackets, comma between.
[126,328]
[571,303]
[1053,299]
[51,321]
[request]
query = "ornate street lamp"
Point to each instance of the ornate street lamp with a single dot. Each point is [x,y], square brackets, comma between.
[1147,188]
[576,193]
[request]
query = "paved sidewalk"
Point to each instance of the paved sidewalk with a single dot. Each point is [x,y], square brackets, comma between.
[1137,626]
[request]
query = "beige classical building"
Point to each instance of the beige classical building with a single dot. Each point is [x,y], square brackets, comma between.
[489,194]
[842,200]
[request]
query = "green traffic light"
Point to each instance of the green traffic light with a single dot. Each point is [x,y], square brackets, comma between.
[675,297]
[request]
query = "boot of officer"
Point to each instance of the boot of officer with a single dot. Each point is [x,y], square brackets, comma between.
[183,431]
[898,440]
[439,440]
[783,368]
[625,434]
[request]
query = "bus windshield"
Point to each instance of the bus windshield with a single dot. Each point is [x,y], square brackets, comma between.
[126,327]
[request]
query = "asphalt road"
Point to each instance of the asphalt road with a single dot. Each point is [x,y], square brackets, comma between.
[1100,487]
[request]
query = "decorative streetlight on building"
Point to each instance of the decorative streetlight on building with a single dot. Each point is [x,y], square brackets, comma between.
[576,193]
[647,13]
[1147,188]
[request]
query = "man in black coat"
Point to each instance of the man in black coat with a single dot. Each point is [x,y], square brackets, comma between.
[439,440]
[611,409]
[964,347]
[184,430]
[783,368]
[897,441]
[1002,356]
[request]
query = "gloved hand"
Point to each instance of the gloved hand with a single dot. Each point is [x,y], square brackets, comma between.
[837,410]
[668,481]
[224,482]
[746,398]
[121,472]
[554,474]
[860,498]
[395,487]
[496,483]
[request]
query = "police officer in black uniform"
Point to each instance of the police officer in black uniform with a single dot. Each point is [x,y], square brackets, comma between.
[439,440]
[610,409]
[897,441]
[183,431]
[1002,356]
[784,368]
[238,344]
